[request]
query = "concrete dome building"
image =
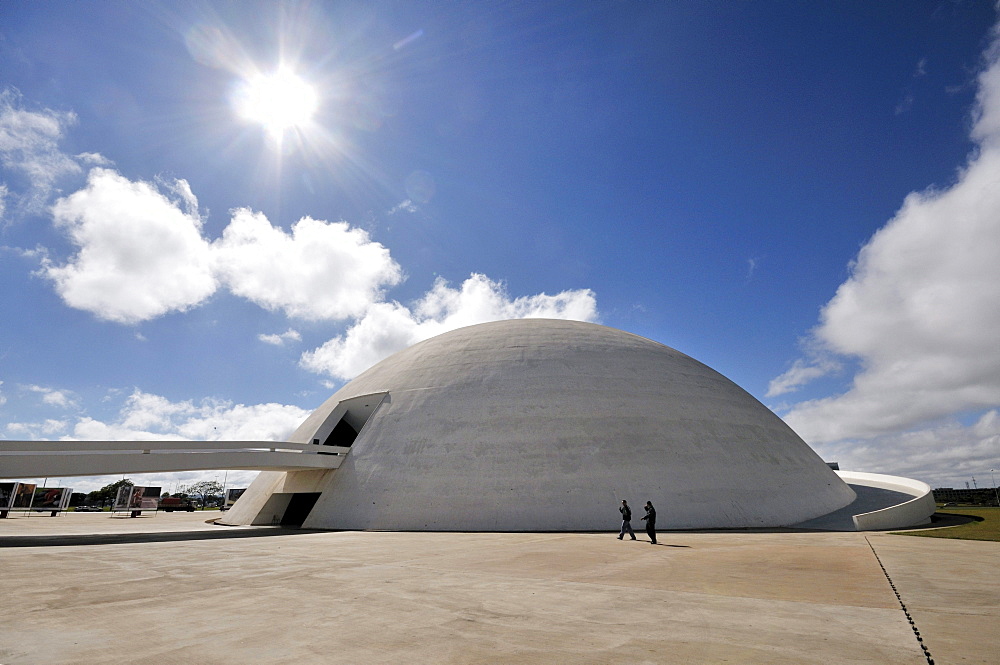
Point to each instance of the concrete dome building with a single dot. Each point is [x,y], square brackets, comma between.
[545,425]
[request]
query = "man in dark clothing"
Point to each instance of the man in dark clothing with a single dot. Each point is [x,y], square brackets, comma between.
[626,520]
[650,520]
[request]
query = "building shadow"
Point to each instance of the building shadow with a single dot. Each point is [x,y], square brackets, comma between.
[939,520]
[163,537]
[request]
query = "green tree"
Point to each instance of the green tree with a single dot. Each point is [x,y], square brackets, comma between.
[107,494]
[203,489]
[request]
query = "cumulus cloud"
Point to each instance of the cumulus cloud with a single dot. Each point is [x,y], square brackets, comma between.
[920,312]
[58,398]
[29,150]
[281,339]
[947,454]
[800,373]
[146,416]
[389,327]
[139,255]
[321,270]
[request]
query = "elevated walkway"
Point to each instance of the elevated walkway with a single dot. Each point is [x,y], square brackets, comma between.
[37,459]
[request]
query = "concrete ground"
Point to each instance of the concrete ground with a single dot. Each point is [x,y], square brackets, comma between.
[169,588]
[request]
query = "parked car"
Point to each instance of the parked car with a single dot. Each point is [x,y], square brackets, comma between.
[88,509]
[171,504]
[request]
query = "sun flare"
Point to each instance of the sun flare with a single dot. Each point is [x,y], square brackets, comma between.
[278,102]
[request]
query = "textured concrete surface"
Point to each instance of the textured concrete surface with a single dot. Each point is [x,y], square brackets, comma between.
[952,591]
[540,425]
[170,589]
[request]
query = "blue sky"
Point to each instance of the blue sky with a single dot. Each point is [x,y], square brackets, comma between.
[804,196]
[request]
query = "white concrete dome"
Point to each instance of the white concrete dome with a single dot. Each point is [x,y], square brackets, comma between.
[539,425]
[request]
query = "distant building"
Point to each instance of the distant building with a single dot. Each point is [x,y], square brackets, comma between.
[984,496]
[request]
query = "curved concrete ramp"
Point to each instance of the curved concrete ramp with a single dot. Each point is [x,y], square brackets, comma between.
[883,502]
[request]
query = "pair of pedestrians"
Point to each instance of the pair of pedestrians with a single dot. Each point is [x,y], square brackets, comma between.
[650,519]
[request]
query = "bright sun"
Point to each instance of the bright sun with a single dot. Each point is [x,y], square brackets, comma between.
[278,101]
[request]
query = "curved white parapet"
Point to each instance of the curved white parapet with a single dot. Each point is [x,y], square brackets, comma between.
[914,512]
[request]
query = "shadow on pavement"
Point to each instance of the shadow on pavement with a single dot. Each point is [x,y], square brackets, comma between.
[939,520]
[163,537]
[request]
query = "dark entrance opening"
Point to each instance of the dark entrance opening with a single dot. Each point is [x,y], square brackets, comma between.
[342,435]
[298,508]
[347,420]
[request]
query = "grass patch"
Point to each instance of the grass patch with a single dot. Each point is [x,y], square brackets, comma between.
[984,524]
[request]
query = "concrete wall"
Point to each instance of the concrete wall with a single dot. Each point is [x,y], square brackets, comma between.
[267,501]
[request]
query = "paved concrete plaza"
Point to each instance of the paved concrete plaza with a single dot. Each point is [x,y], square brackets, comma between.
[170,589]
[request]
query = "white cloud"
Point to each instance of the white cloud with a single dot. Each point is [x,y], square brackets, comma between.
[987,113]
[321,270]
[93,159]
[920,311]
[383,330]
[139,255]
[404,206]
[800,373]
[152,417]
[946,454]
[145,416]
[58,398]
[390,327]
[29,149]
[281,339]
[48,428]
[905,104]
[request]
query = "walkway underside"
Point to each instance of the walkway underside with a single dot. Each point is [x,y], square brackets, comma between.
[37,459]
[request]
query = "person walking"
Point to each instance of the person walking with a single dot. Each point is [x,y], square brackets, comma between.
[626,520]
[650,519]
